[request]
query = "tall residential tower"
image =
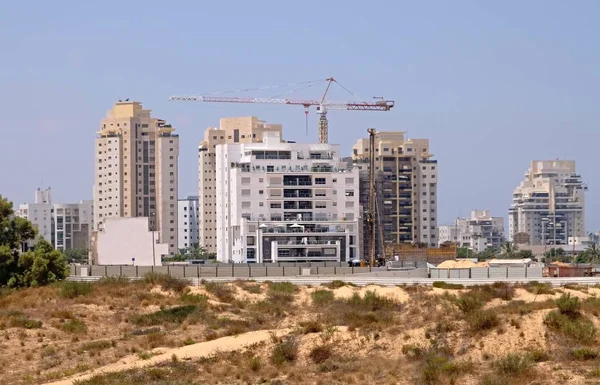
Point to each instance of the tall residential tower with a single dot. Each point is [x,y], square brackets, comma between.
[136,170]
[232,130]
[549,204]
[406,180]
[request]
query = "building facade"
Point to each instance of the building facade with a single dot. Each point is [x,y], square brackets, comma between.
[39,214]
[406,180]
[189,220]
[66,226]
[231,130]
[136,170]
[549,204]
[477,233]
[280,201]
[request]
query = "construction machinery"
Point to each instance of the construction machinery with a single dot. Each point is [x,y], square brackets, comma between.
[321,105]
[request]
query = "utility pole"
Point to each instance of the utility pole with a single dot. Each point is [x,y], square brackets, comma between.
[371,217]
[153,227]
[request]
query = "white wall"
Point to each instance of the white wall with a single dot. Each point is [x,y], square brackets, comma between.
[122,239]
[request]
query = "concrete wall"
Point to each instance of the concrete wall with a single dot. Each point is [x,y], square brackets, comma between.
[122,239]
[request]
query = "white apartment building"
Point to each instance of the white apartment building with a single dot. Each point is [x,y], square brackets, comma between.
[39,214]
[476,233]
[136,170]
[65,226]
[549,204]
[231,130]
[280,201]
[406,182]
[189,220]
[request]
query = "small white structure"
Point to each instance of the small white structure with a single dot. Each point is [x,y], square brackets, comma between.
[525,262]
[127,241]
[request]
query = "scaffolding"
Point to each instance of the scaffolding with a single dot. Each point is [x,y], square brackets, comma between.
[410,252]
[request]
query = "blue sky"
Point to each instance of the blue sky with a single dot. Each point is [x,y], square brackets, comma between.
[493,85]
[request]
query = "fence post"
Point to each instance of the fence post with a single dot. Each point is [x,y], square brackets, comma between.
[105,270]
[507,273]
[488,272]
[470,273]
[169,270]
[283,271]
[120,270]
[137,275]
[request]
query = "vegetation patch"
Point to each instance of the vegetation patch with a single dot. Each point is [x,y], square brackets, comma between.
[282,287]
[512,364]
[448,286]
[322,297]
[320,353]
[480,320]
[336,284]
[71,289]
[584,354]
[569,321]
[96,346]
[173,315]
[222,291]
[73,326]
[285,351]
[537,287]
[24,322]
[167,282]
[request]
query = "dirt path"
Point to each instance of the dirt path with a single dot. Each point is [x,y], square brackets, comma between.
[202,349]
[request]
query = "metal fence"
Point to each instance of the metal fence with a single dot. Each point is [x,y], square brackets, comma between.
[220,270]
[488,273]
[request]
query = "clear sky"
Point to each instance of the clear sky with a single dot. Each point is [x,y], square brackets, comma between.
[492,84]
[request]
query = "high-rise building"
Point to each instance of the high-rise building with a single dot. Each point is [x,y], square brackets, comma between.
[280,201]
[406,184]
[189,220]
[65,226]
[39,214]
[136,170]
[232,130]
[549,204]
[477,233]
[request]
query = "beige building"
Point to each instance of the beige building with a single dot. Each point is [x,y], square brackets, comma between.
[136,170]
[406,181]
[549,204]
[232,130]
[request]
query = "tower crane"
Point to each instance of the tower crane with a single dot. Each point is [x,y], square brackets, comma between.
[321,105]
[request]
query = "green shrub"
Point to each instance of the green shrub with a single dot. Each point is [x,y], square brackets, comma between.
[438,366]
[579,330]
[167,282]
[322,297]
[591,305]
[536,287]
[96,345]
[336,284]
[512,364]
[73,326]
[222,291]
[255,363]
[282,287]
[173,315]
[320,353]
[470,302]
[537,355]
[312,326]
[284,351]
[584,354]
[568,305]
[199,300]
[26,323]
[523,308]
[480,320]
[71,289]
[446,285]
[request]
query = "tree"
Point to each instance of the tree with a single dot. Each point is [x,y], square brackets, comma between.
[486,254]
[195,251]
[77,255]
[17,268]
[463,252]
[556,254]
[590,255]
[509,249]
[524,254]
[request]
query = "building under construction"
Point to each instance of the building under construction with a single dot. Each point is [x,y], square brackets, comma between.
[405,191]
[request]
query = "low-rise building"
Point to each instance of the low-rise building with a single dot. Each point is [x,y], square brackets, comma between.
[279,201]
[477,233]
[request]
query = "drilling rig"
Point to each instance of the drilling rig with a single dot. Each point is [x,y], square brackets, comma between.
[322,105]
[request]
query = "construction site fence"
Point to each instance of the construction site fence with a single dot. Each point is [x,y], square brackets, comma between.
[488,273]
[216,271]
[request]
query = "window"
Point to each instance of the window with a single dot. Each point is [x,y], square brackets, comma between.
[261,192]
[275,205]
[349,193]
[319,180]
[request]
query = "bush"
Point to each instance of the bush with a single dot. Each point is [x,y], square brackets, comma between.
[480,320]
[584,354]
[26,323]
[320,353]
[569,306]
[580,330]
[523,308]
[71,289]
[470,302]
[312,326]
[167,282]
[537,355]
[199,300]
[513,364]
[322,297]
[449,286]
[284,351]
[536,287]
[73,326]
[222,291]
[415,352]
[95,345]
[437,366]
[255,363]
[282,287]
[336,284]
[173,315]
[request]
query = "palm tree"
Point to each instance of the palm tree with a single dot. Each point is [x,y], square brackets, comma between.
[592,253]
[509,249]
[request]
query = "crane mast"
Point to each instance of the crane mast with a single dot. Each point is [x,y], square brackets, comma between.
[372,196]
[321,105]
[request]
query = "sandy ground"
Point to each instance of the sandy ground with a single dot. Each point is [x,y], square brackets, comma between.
[391,292]
[203,349]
